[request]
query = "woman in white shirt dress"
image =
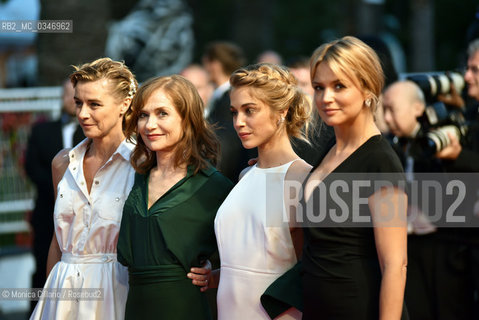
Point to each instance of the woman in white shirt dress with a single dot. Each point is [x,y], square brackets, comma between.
[91,183]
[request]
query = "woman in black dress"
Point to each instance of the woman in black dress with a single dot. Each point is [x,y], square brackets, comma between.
[351,269]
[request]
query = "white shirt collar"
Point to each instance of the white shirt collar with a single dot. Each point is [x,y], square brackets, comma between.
[124,149]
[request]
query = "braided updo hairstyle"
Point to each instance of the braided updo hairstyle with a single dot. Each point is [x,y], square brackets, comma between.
[275,86]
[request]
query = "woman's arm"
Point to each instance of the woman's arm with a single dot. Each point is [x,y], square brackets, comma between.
[59,166]
[389,213]
[293,189]
[54,254]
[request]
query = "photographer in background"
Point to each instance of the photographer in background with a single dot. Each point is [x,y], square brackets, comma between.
[403,104]
[465,158]
[437,286]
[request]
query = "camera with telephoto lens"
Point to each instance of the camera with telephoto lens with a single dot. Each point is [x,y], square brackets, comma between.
[439,119]
[435,83]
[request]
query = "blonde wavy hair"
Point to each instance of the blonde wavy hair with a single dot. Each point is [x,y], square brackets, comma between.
[276,87]
[122,81]
[198,146]
[354,59]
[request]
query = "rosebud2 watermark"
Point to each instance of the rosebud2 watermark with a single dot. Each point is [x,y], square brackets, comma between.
[348,200]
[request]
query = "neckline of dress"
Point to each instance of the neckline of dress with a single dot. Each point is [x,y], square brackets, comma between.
[276,167]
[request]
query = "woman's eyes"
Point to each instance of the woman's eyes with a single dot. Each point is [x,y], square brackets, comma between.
[337,86]
[247,111]
[79,103]
[159,114]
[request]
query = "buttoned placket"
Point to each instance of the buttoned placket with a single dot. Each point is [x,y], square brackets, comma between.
[77,171]
[92,195]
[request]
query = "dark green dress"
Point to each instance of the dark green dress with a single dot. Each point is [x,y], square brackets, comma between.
[160,245]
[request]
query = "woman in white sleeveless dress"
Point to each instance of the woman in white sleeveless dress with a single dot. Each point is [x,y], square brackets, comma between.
[91,183]
[254,237]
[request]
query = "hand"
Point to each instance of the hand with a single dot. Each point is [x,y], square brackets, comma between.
[453,98]
[419,223]
[201,276]
[452,151]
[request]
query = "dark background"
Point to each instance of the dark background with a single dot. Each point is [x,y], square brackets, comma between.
[432,34]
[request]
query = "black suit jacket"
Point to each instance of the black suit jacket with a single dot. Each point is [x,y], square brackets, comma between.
[234,157]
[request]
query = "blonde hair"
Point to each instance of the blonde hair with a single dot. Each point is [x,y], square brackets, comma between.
[357,61]
[275,86]
[122,80]
[198,144]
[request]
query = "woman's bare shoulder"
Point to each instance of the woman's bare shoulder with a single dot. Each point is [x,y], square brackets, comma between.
[299,167]
[298,171]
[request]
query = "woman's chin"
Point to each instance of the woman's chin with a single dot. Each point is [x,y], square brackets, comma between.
[248,145]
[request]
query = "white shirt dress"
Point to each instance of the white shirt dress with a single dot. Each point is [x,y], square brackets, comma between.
[87,227]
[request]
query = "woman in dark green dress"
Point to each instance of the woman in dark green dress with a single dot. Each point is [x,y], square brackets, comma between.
[167,224]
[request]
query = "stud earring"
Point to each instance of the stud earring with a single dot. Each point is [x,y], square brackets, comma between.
[368,102]
[280,121]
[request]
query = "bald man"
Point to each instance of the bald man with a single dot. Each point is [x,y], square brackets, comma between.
[403,102]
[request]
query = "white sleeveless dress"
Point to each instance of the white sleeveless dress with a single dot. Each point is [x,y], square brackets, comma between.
[254,243]
[87,227]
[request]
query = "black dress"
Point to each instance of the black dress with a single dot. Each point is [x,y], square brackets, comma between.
[341,274]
